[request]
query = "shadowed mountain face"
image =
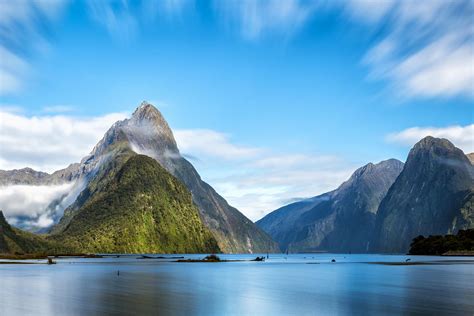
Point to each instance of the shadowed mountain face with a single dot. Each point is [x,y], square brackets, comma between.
[341,220]
[432,196]
[147,133]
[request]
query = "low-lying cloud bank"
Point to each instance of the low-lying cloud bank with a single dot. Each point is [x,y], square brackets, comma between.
[36,207]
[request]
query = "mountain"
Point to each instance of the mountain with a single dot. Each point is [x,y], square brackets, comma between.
[147,133]
[28,176]
[22,176]
[133,205]
[13,240]
[434,195]
[340,220]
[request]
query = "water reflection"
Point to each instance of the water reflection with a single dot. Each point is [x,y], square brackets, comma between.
[278,286]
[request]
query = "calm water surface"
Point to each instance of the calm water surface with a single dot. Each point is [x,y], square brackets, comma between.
[283,285]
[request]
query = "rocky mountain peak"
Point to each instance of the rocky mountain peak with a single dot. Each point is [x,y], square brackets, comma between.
[146,111]
[146,132]
[430,143]
[434,151]
[371,171]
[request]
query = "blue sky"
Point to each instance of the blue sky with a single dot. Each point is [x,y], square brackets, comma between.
[275,100]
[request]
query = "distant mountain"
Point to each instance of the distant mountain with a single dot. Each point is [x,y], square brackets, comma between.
[147,132]
[341,220]
[434,195]
[28,176]
[133,205]
[22,176]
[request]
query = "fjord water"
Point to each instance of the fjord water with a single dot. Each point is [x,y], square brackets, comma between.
[303,284]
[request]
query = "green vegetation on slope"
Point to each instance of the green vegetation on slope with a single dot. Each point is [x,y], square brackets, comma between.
[438,245]
[136,207]
[16,241]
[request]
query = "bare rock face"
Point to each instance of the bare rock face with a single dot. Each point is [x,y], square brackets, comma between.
[432,196]
[148,133]
[471,157]
[341,220]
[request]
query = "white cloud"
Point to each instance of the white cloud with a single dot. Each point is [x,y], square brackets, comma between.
[30,206]
[204,142]
[49,143]
[444,68]
[258,180]
[460,136]
[260,191]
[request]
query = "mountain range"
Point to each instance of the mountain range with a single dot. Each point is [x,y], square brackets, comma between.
[382,207]
[153,216]
[136,193]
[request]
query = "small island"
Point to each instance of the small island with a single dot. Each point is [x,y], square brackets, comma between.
[461,244]
[215,258]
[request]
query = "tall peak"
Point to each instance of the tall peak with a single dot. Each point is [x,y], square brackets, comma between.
[430,142]
[147,111]
[372,169]
[148,130]
[435,148]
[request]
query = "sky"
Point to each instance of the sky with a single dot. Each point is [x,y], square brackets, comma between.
[272,101]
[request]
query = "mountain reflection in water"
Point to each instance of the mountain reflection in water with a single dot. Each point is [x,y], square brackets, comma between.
[281,285]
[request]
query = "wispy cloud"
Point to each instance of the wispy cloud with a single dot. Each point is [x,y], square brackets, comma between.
[370,11]
[123,19]
[21,33]
[204,142]
[48,142]
[427,49]
[118,17]
[460,136]
[258,180]
[257,17]
[422,49]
